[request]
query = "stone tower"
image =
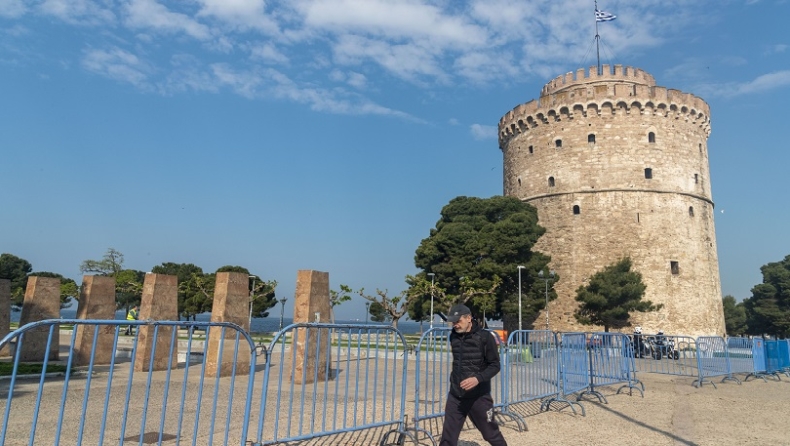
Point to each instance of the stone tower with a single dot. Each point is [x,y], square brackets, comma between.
[616,167]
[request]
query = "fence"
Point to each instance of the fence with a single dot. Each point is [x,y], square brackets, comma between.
[666,355]
[713,359]
[572,370]
[531,371]
[610,361]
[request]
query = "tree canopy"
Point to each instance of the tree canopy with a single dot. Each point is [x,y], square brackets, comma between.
[16,270]
[734,316]
[769,307]
[475,250]
[611,296]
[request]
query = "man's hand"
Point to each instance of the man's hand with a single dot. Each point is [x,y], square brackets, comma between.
[469,383]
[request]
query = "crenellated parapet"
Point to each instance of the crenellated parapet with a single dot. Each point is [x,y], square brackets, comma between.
[566,98]
[581,77]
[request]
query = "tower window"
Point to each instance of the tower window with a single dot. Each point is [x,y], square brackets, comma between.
[696,178]
[651,138]
[576,209]
[648,173]
[558,143]
[691,211]
[591,138]
[700,148]
[551,181]
[519,181]
[530,149]
[674,267]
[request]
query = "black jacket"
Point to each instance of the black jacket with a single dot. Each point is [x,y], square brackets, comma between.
[474,354]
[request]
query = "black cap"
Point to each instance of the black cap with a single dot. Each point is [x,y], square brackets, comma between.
[457,311]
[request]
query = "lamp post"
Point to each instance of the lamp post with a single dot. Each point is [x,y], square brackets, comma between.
[547,280]
[282,311]
[252,298]
[367,311]
[520,267]
[432,276]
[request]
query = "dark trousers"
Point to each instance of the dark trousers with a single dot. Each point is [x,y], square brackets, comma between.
[455,413]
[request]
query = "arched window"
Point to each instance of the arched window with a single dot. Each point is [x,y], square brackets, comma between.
[551,181]
[530,149]
[519,181]
[591,138]
[558,143]
[691,211]
[700,148]
[576,209]
[648,173]
[651,138]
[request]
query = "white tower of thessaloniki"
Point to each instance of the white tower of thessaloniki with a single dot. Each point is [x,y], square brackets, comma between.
[617,167]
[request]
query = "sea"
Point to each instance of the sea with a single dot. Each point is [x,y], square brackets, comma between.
[258,325]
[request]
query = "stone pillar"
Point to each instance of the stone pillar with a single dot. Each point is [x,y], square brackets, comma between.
[97,301]
[231,304]
[312,345]
[159,303]
[5,313]
[42,301]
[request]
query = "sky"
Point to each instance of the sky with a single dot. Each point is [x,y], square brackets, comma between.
[328,134]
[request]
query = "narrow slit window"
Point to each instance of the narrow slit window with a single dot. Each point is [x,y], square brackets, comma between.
[576,209]
[531,150]
[651,138]
[591,138]
[691,211]
[551,181]
[700,148]
[519,181]
[696,178]
[648,173]
[674,267]
[558,143]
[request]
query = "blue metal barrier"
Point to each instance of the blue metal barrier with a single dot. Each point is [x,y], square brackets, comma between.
[772,361]
[332,379]
[113,392]
[713,360]
[572,370]
[611,361]
[667,355]
[759,368]
[434,360]
[739,352]
[531,367]
[500,385]
[784,356]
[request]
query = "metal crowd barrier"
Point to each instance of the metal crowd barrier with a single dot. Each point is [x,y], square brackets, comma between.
[760,361]
[739,352]
[111,391]
[344,381]
[784,356]
[434,360]
[611,361]
[572,370]
[667,355]
[500,385]
[713,359]
[531,370]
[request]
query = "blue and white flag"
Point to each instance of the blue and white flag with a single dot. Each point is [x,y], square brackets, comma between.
[603,16]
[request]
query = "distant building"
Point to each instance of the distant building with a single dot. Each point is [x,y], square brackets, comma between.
[616,167]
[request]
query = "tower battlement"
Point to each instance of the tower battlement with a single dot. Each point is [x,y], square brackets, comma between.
[582,77]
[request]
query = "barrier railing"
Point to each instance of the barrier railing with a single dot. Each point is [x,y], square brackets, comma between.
[347,381]
[739,352]
[784,356]
[713,359]
[611,361]
[432,379]
[572,370]
[667,355]
[531,367]
[139,388]
[500,385]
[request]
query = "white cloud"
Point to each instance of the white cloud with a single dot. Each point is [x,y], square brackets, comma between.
[148,14]
[12,8]
[481,132]
[453,121]
[409,62]
[776,49]
[243,14]
[82,12]
[117,64]
[268,53]
[357,80]
[760,84]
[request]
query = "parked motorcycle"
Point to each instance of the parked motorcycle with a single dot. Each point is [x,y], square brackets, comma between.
[661,346]
[640,347]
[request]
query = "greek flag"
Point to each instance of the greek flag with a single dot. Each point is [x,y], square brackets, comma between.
[603,16]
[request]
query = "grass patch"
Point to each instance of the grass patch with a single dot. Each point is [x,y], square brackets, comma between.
[30,368]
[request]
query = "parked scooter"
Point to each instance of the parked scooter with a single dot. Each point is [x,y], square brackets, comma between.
[661,346]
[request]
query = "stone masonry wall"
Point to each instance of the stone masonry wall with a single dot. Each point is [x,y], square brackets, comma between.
[595,154]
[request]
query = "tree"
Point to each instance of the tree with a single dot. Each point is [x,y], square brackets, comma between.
[338,297]
[109,265]
[611,296]
[68,287]
[378,313]
[195,292]
[128,288]
[394,307]
[734,316]
[769,307]
[484,240]
[16,270]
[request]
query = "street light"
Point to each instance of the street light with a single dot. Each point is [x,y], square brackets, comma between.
[252,298]
[432,276]
[520,267]
[367,310]
[547,280]
[282,311]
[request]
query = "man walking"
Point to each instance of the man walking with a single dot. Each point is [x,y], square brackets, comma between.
[475,363]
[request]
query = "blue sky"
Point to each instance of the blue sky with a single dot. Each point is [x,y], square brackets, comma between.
[328,134]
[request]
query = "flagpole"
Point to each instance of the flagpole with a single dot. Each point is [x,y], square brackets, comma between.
[597,41]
